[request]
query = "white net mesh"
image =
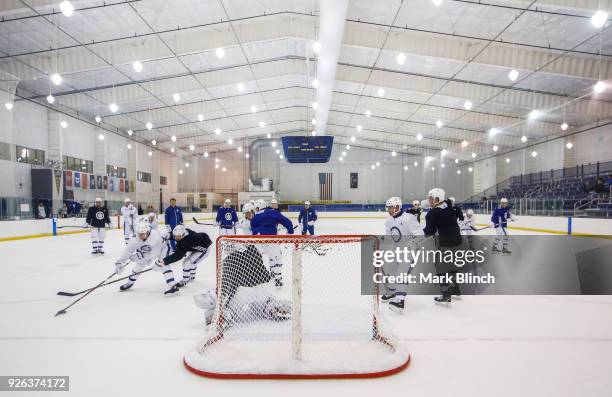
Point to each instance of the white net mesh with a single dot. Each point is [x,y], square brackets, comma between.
[317,324]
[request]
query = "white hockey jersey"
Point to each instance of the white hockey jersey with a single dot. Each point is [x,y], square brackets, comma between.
[245,226]
[403,225]
[467,226]
[144,251]
[129,214]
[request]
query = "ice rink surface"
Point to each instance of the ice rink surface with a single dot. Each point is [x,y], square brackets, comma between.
[133,343]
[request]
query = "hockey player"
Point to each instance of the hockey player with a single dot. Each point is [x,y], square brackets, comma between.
[441,220]
[97,219]
[415,210]
[274,204]
[248,211]
[152,219]
[265,222]
[173,216]
[260,205]
[307,218]
[467,226]
[129,214]
[500,222]
[147,247]
[402,227]
[244,292]
[226,218]
[456,209]
[190,245]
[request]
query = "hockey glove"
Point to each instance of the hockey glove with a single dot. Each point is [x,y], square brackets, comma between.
[119,266]
[158,265]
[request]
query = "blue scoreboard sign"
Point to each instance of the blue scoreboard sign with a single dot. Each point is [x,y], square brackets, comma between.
[308,149]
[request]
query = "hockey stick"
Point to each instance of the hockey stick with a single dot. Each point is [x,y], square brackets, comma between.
[63,311]
[201,223]
[77,227]
[63,293]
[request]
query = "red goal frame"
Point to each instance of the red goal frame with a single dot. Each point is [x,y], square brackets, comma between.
[297,240]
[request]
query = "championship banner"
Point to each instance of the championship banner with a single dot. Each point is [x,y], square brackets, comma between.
[77,179]
[84,183]
[105,184]
[68,178]
[99,182]
[112,184]
[92,182]
[127,186]
[121,182]
[57,174]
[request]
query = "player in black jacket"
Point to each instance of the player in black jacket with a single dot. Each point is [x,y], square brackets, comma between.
[415,210]
[194,245]
[441,220]
[456,209]
[97,219]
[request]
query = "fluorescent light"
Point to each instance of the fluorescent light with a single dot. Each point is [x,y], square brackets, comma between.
[130,132]
[63,124]
[348,147]
[268,135]
[230,141]
[436,2]
[56,79]
[381,92]
[113,107]
[171,150]
[468,105]
[128,146]
[273,143]
[187,165]
[220,52]
[316,47]
[599,87]
[378,163]
[464,143]
[277,151]
[313,121]
[493,131]
[401,58]
[473,155]
[253,109]
[137,66]
[513,75]
[315,83]
[442,165]
[192,147]
[313,133]
[8,105]
[439,124]
[470,169]
[534,114]
[200,117]
[419,137]
[373,166]
[569,145]
[239,149]
[599,18]
[50,98]
[405,168]
[217,131]
[315,105]
[368,113]
[150,153]
[149,125]
[444,152]
[66,8]
[176,97]
[564,126]
[394,153]
[262,124]
[240,87]
[153,142]
[458,172]
[495,148]
[180,171]
[456,161]
[101,137]
[523,139]
[416,163]
[359,127]
[534,154]
[98,118]
[353,139]
[340,158]
[507,159]
[206,154]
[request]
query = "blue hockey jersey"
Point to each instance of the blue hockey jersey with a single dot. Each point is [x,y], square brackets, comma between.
[307,215]
[226,217]
[265,222]
[500,216]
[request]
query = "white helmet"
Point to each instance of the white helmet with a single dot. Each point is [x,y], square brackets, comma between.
[179,230]
[470,212]
[151,217]
[98,200]
[437,193]
[227,201]
[252,202]
[207,300]
[306,202]
[452,199]
[425,204]
[273,201]
[503,200]
[248,207]
[260,204]
[416,202]
[127,200]
[393,202]
[142,227]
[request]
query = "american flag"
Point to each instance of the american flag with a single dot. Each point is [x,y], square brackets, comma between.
[325,185]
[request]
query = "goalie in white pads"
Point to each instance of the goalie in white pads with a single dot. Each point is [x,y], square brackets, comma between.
[402,227]
[146,248]
[244,291]
[129,214]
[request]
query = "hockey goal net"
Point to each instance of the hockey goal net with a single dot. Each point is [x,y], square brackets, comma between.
[317,325]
